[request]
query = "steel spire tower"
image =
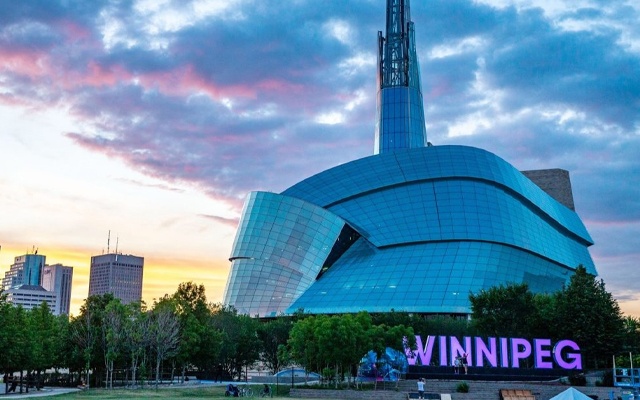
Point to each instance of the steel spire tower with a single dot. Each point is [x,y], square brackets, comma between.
[400,111]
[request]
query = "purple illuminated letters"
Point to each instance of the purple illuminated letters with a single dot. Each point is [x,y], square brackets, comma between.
[497,352]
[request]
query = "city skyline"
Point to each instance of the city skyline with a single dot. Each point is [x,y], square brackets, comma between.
[155,121]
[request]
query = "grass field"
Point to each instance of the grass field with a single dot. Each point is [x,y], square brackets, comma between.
[191,393]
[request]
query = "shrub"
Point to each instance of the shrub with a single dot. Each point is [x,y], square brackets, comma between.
[577,380]
[607,378]
[463,387]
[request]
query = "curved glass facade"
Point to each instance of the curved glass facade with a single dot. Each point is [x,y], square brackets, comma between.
[433,224]
[411,228]
[400,123]
[280,248]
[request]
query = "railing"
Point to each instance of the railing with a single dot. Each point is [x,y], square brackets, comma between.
[626,377]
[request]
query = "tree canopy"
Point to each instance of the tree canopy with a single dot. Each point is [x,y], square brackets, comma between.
[582,311]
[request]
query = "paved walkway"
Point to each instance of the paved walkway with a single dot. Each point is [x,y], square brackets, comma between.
[47,391]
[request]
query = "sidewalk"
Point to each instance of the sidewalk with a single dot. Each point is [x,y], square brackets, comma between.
[47,391]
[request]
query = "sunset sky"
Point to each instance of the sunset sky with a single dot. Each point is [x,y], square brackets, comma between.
[153,119]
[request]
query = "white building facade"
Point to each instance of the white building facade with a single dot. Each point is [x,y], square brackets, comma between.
[30,296]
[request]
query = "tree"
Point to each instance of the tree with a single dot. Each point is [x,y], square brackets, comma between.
[336,344]
[240,346]
[136,337]
[504,310]
[113,336]
[87,330]
[83,335]
[632,334]
[21,342]
[165,335]
[273,334]
[303,347]
[588,314]
[63,349]
[15,338]
[190,304]
[42,329]
[7,332]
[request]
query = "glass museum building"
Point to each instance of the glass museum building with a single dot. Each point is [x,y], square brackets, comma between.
[412,228]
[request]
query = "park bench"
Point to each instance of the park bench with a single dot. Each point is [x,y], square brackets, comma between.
[516,394]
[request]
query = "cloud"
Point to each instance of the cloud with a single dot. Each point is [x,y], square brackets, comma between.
[239,98]
[231,222]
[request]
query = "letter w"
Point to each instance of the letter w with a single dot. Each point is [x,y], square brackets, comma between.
[423,352]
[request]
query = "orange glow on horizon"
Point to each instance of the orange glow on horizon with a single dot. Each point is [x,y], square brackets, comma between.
[162,275]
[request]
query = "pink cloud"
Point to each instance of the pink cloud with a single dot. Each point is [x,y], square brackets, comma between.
[439,89]
[184,81]
[96,75]
[278,85]
[24,62]
[74,32]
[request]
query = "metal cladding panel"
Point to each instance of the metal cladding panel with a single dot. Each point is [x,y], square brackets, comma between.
[280,247]
[426,278]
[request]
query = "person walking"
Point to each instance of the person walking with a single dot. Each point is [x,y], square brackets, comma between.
[421,388]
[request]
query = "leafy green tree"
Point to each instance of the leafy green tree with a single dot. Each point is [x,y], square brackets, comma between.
[420,324]
[164,337]
[447,325]
[7,328]
[632,334]
[15,338]
[113,336]
[504,310]
[240,346]
[21,348]
[273,334]
[543,323]
[87,329]
[137,332]
[303,347]
[63,349]
[338,343]
[42,331]
[588,314]
[198,340]
[396,336]
[339,339]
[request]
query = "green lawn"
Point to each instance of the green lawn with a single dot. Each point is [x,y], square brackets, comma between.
[196,393]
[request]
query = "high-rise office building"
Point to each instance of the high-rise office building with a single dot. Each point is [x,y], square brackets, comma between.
[57,278]
[413,228]
[29,282]
[118,274]
[25,270]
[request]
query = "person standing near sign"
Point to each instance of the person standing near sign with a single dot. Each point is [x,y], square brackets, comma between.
[465,362]
[457,363]
[421,388]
